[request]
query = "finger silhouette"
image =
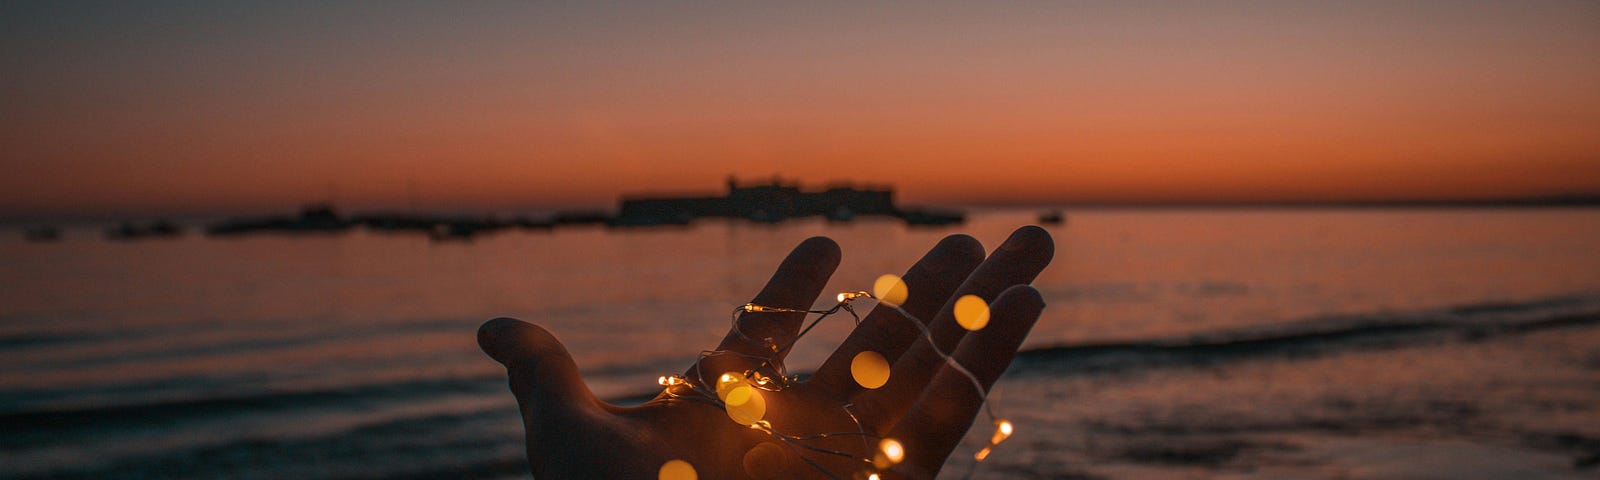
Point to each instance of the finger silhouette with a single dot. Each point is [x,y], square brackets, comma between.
[935,424]
[1015,262]
[795,285]
[542,374]
[929,283]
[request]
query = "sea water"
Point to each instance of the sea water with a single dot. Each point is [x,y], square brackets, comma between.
[1275,343]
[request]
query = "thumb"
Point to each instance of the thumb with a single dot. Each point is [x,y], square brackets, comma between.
[544,378]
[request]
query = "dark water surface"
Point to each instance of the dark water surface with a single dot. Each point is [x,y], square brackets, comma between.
[1176,344]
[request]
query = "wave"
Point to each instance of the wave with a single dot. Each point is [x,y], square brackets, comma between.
[1322,336]
[188,341]
[59,422]
[472,444]
[484,442]
[1310,337]
[19,340]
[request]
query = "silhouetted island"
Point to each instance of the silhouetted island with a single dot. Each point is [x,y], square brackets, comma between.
[312,218]
[1052,217]
[775,202]
[318,218]
[770,202]
[42,233]
[127,231]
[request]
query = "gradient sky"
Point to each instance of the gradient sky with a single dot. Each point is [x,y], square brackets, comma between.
[206,107]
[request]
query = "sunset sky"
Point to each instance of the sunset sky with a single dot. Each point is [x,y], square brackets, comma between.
[202,107]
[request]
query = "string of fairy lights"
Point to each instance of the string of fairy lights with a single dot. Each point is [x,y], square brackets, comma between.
[739,393]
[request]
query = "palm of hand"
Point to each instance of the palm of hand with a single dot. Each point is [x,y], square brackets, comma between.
[925,405]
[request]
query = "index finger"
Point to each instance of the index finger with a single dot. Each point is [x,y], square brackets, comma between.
[935,424]
[931,281]
[795,286]
[1015,262]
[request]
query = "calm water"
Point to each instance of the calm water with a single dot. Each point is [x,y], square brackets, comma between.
[1176,344]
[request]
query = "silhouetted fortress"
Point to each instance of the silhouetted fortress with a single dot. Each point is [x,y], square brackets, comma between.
[767,203]
[773,202]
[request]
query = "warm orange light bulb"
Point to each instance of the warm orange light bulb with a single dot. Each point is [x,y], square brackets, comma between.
[890,289]
[972,313]
[1002,431]
[869,369]
[726,383]
[892,450]
[745,405]
[676,470]
[848,296]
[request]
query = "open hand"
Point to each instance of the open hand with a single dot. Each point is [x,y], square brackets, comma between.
[925,405]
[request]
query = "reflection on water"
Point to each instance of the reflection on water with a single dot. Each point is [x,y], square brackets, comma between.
[1175,344]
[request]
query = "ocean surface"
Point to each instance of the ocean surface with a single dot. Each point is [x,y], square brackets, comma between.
[1232,344]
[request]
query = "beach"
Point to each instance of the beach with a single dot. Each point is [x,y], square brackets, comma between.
[1176,343]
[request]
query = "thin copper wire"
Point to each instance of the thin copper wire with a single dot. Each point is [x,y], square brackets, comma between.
[708,394]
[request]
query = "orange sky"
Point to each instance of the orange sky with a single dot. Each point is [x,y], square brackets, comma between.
[113,109]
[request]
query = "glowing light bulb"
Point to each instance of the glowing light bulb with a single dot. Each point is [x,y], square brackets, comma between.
[758,378]
[745,405]
[890,289]
[726,383]
[874,477]
[848,296]
[676,470]
[892,450]
[972,312]
[869,369]
[1002,431]
[738,395]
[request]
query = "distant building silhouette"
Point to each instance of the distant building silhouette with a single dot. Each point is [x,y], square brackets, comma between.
[770,202]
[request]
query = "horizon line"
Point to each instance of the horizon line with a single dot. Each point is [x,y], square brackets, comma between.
[1541,201]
